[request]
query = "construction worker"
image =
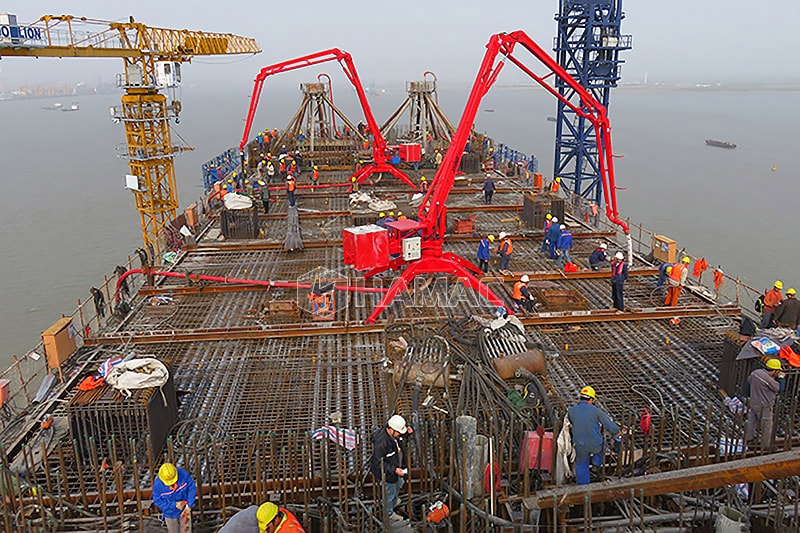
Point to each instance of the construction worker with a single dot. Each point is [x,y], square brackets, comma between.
[553,233]
[270,171]
[764,383]
[664,270]
[488,189]
[265,518]
[676,280]
[423,185]
[401,216]
[262,168]
[599,258]
[520,294]
[353,184]
[390,217]
[505,250]
[298,156]
[564,245]
[588,422]
[787,314]
[548,221]
[386,463]
[263,193]
[619,275]
[291,185]
[484,254]
[174,493]
[772,299]
[555,185]
[381,219]
[438,158]
[315,175]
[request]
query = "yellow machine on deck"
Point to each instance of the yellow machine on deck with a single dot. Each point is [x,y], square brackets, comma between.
[152,59]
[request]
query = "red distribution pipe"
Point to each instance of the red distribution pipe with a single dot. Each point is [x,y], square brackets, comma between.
[221,279]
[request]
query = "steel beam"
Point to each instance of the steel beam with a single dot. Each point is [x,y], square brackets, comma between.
[755,469]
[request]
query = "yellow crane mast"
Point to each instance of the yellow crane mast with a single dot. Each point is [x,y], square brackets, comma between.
[152,59]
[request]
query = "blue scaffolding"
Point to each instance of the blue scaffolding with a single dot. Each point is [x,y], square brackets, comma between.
[587,46]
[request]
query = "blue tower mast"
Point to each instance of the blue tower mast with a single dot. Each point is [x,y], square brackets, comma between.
[587,46]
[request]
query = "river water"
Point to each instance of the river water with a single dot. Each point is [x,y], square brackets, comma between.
[66,220]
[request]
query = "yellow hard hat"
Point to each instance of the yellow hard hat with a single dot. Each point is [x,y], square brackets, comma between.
[269,154]
[260,182]
[230,180]
[266,513]
[669,270]
[558,180]
[234,174]
[381,214]
[588,392]
[549,216]
[422,178]
[778,284]
[686,260]
[316,167]
[774,364]
[391,213]
[262,154]
[791,291]
[491,238]
[168,474]
[353,178]
[399,213]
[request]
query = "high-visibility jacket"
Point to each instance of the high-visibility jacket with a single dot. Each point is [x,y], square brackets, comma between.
[289,523]
[772,299]
[516,293]
[282,166]
[677,277]
[291,185]
[506,247]
[316,175]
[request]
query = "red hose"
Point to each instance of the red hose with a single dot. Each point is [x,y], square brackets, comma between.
[221,279]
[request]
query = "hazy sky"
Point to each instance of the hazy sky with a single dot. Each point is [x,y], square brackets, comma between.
[679,40]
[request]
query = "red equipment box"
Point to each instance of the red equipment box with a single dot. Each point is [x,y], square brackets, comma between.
[465,225]
[366,247]
[532,444]
[411,152]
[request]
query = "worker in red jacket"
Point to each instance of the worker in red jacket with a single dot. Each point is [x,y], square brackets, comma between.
[291,185]
[772,299]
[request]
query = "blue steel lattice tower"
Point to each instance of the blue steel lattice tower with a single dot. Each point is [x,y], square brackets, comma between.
[587,46]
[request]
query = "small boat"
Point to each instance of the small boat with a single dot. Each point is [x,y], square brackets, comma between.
[489,110]
[72,107]
[55,107]
[551,118]
[720,144]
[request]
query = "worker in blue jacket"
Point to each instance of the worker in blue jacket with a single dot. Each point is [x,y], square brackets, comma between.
[553,232]
[564,245]
[619,275]
[174,492]
[484,253]
[588,422]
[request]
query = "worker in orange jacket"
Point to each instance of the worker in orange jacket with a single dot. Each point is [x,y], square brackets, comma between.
[676,280]
[291,185]
[521,295]
[505,250]
[772,299]
[264,518]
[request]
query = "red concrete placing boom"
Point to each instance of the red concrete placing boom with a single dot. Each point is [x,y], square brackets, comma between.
[433,211]
[379,159]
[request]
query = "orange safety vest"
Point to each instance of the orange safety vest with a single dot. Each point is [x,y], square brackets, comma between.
[289,523]
[516,294]
[719,279]
[677,271]
[509,249]
[282,166]
[554,186]
[291,184]
[316,175]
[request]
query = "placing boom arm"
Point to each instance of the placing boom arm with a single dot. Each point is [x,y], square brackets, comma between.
[379,163]
[433,211]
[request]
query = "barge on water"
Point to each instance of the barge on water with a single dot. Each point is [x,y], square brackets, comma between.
[277,379]
[720,144]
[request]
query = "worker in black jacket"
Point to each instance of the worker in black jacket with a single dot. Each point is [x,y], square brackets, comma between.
[386,463]
[787,314]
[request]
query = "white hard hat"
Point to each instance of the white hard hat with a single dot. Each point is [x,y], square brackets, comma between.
[563,226]
[524,278]
[503,235]
[398,423]
[603,246]
[555,219]
[619,256]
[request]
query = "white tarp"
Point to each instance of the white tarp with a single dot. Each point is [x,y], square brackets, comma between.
[237,201]
[137,374]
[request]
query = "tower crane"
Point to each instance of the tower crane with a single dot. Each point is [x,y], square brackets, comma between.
[152,58]
[427,256]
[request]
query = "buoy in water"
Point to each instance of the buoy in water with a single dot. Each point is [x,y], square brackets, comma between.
[774,168]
